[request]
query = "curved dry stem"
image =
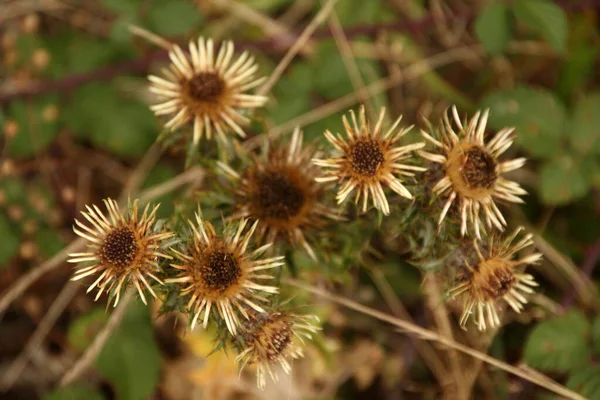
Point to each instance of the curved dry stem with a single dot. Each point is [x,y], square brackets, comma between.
[92,351]
[426,334]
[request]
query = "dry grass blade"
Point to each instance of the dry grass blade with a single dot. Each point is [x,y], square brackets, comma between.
[536,378]
[296,47]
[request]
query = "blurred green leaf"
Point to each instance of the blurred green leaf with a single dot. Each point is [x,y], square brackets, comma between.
[9,245]
[72,53]
[174,17]
[123,7]
[586,381]
[584,127]
[130,360]
[371,11]
[49,242]
[562,180]
[537,115]
[85,328]
[558,344]
[578,67]
[330,76]
[293,93]
[37,126]
[159,174]
[493,29]
[123,126]
[73,392]
[13,190]
[545,17]
[596,335]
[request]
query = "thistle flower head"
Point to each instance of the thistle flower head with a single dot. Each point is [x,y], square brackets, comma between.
[369,160]
[209,92]
[271,338]
[281,193]
[472,172]
[492,276]
[123,249]
[219,270]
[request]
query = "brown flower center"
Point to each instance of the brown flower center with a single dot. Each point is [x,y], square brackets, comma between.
[479,169]
[205,87]
[221,271]
[275,338]
[278,197]
[495,278]
[119,247]
[366,157]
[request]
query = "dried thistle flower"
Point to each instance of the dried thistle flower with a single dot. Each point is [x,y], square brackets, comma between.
[492,277]
[281,193]
[219,270]
[123,249]
[472,171]
[208,92]
[271,338]
[368,161]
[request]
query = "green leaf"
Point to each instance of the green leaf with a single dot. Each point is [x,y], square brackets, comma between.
[120,125]
[584,128]
[9,245]
[174,17]
[84,329]
[37,126]
[559,344]
[596,335]
[563,180]
[49,242]
[159,174]
[492,28]
[330,76]
[130,360]
[371,12]
[537,115]
[579,67]
[123,7]
[73,392]
[545,17]
[586,382]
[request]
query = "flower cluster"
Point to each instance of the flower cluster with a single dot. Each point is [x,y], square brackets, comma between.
[280,196]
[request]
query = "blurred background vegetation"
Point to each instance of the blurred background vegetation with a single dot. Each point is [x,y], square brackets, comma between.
[76,127]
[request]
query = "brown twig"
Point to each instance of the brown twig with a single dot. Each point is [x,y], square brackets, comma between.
[426,334]
[94,349]
[296,47]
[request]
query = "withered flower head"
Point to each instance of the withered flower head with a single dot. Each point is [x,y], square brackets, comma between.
[271,338]
[473,173]
[369,160]
[281,193]
[493,276]
[123,249]
[219,270]
[207,91]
